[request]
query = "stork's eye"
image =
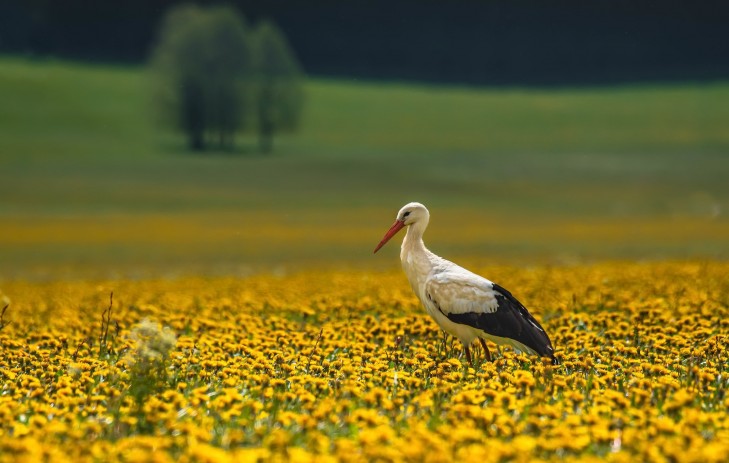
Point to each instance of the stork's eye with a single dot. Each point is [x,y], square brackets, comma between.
[406,214]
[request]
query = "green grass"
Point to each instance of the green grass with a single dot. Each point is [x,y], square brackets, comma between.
[420,119]
[79,143]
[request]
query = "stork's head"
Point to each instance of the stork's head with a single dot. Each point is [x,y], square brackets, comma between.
[409,214]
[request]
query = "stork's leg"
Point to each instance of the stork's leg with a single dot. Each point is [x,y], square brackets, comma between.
[485,349]
[468,355]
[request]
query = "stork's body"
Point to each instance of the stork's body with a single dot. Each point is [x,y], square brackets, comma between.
[464,305]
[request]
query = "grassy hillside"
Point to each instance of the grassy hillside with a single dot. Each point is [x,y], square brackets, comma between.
[87,180]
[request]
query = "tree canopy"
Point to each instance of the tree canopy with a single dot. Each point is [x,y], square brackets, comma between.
[279,93]
[213,78]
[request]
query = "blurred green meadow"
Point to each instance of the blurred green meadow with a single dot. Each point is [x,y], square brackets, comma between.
[91,185]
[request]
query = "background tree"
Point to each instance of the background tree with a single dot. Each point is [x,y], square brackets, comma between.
[279,90]
[202,68]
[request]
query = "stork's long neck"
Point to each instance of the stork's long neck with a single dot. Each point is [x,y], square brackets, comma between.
[413,240]
[415,256]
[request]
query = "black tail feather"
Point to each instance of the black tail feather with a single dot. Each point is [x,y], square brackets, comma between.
[511,320]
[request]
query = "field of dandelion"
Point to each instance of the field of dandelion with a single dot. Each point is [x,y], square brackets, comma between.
[345,366]
[159,306]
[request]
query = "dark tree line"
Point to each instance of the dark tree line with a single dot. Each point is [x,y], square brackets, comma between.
[215,77]
[523,42]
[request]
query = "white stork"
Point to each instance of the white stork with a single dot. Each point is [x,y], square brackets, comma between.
[464,305]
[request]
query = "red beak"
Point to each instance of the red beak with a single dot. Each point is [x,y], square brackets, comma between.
[390,233]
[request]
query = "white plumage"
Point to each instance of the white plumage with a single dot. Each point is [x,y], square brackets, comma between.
[464,304]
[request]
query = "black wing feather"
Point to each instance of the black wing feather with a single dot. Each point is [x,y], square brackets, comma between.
[510,320]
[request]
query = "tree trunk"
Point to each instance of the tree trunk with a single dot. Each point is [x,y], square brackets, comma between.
[193,117]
